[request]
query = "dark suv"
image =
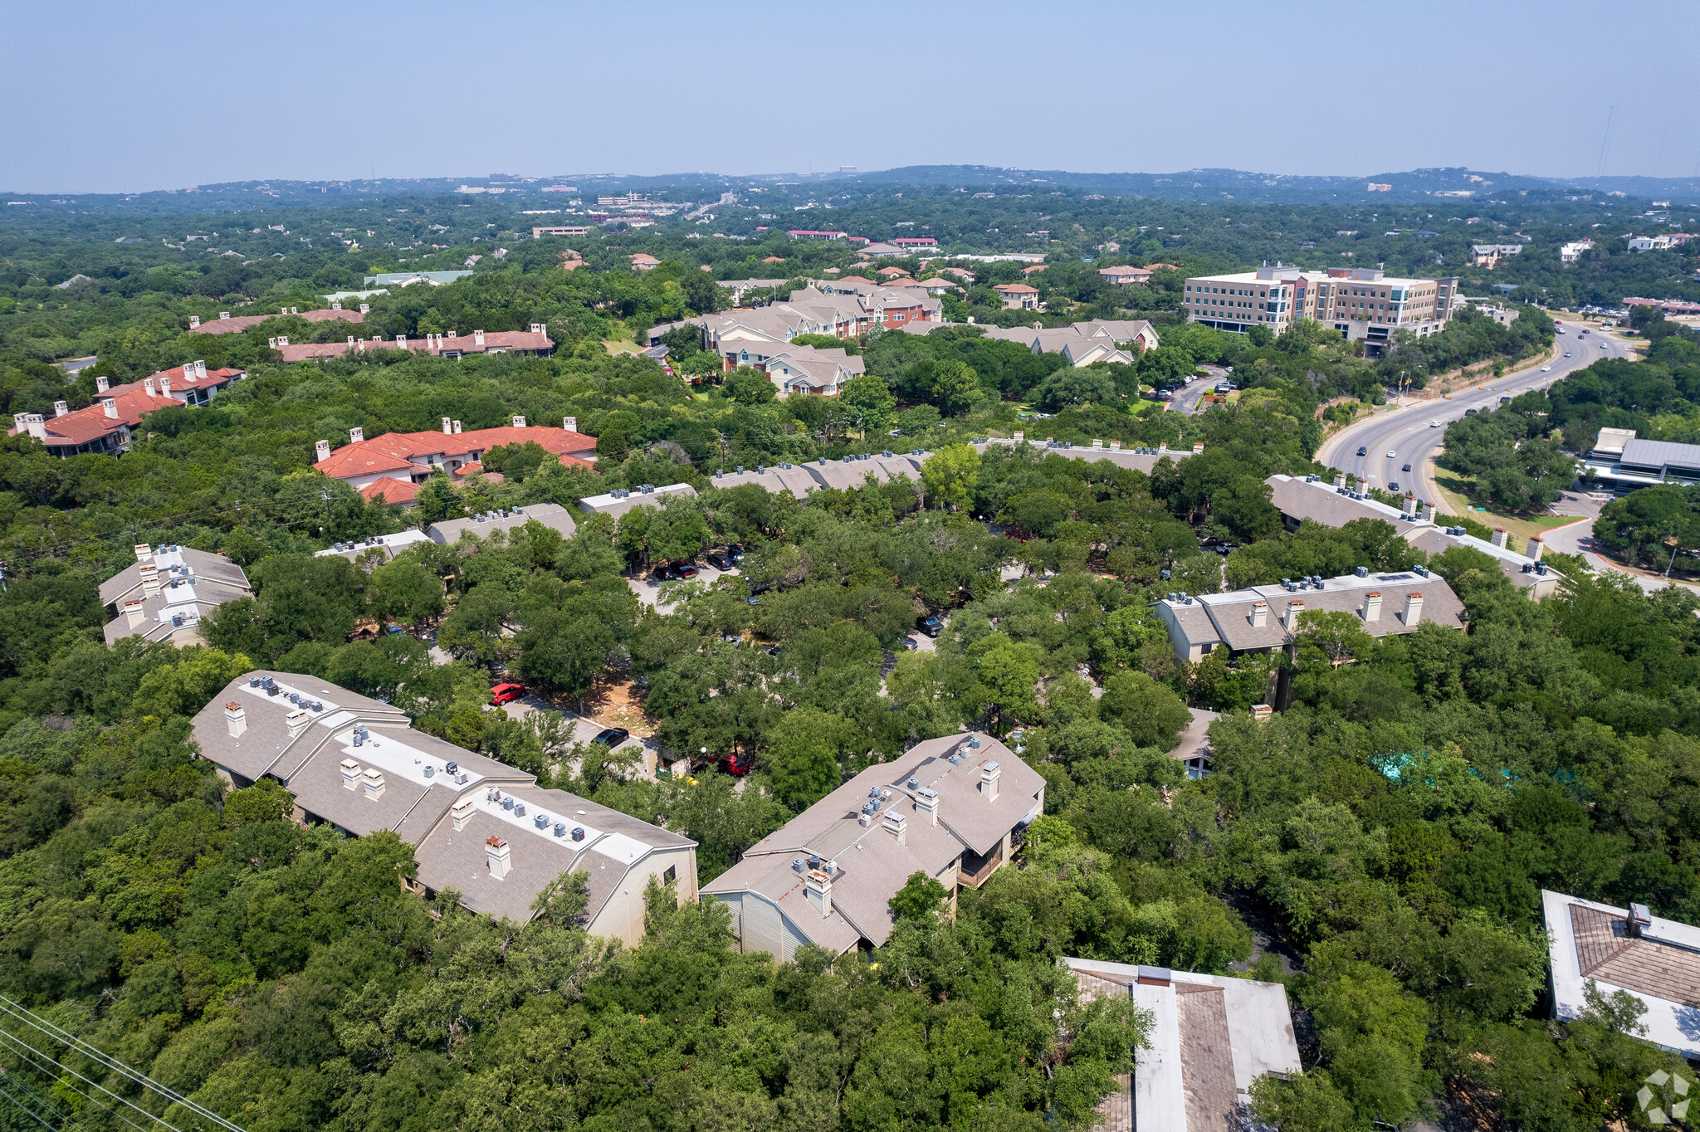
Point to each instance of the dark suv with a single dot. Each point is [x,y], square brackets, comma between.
[932,624]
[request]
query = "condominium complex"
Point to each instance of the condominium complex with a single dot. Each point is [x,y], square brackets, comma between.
[1363,304]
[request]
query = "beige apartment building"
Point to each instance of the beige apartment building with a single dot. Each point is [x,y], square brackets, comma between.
[1361,303]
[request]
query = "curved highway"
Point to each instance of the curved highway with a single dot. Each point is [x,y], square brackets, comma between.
[1395,438]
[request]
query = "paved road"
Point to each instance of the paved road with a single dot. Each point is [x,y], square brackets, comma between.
[1578,539]
[1190,396]
[1405,432]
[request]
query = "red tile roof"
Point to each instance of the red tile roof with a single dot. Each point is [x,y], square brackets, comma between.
[460,343]
[395,492]
[1015,289]
[132,402]
[240,323]
[404,451]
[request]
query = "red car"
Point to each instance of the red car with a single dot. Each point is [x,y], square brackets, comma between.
[735,765]
[505,694]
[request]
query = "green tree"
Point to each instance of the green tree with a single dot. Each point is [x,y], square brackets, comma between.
[951,475]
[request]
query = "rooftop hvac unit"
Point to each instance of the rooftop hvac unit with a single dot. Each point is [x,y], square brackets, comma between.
[430,771]
[541,821]
[519,809]
[507,803]
[578,833]
[560,829]
[460,779]
[798,865]
[913,783]
[451,766]
[360,736]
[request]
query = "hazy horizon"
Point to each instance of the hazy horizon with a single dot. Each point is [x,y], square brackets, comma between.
[137,99]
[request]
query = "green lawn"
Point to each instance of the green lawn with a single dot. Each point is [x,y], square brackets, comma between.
[1455,500]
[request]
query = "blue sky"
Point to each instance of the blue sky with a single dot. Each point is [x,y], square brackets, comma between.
[125,96]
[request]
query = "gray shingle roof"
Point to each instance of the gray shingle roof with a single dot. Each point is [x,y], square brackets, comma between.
[1661,453]
[551,515]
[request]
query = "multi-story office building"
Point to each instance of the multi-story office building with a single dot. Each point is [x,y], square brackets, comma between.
[1361,303]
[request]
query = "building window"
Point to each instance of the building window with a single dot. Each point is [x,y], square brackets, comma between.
[670,874]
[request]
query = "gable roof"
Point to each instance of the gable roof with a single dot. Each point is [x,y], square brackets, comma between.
[484,524]
[241,322]
[405,451]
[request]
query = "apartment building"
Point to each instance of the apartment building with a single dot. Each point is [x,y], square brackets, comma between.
[1017,296]
[1211,1038]
[1489,255]
[1363,304]
[1099,342]
[108,424]
[478,827]
[1125,275]
[1263,619]
[395,464]
[503,520]
[535,341]
[621,500]
[1571,252]
[955,808]
[225,323]
[538,231]
[1310,499]
[167,591]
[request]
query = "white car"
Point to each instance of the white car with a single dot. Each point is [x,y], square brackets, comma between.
[1392,455]
[1567,354]
[1434,424]
[1546,369]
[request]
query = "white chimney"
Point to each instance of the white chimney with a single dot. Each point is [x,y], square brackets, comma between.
[1413,610]
[200,368]
[497,856]
[165,385]
[271,342]
[365,308]
[149,388]
[1372,606]
[350,774]
[989,775]
[372,784]
[1259,616]
[144,552]
[1018,436]
[1290,618]
[519,422]
[1536,549]
[448,425]
[235,719]
[540,328]
[356,435]
[401,341]
[570,423]
[457,428]
[150,578]
[223,315]
[283,339]
[194,322]
[927,804]
[134,613]
[461,813]
[897,825]
[322,451]
[60,408]
[296,721]
[101,385]
[336,304]
[1262,713]
[283,310]
[1500,536]
[817,887]
[1340,480]
[294,310]
[478,339]
[109,407]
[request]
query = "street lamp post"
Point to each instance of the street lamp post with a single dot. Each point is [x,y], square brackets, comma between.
[1675,546]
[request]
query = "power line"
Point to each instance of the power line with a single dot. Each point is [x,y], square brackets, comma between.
[11,1008]
[35,1056]
[21,1101]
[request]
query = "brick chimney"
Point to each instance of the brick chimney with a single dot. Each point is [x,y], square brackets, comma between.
[817,887]
[897,825]
[350,774]
[1290,617]
[461,813]
[497,857]
[1372,606]
[989,775]
[927,805]
[356,434]
[1259,615]
[1413,610]
[372,784]
[235,719]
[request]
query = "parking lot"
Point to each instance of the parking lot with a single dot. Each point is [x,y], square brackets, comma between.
[583,727]
[653,593]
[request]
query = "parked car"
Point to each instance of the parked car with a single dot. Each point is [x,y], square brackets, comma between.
[686,570]
[666,572]
[719,560]
[506,693]
[932,624]
[735,765]
[612,737]
[735,551]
